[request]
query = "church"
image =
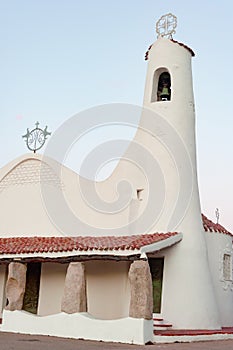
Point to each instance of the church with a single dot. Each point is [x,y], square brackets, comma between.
[130,259]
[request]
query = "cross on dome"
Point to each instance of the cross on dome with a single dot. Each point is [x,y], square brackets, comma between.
[166,25]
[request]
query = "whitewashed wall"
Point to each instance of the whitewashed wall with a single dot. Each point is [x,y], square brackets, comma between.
[51,288]
[219,244]
[108,292]
[80,325]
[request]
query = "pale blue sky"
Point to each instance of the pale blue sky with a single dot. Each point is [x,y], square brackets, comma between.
[59,57]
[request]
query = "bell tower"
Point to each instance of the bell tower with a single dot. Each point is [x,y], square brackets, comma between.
[188,294]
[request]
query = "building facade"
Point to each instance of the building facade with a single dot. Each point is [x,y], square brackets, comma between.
[174,265]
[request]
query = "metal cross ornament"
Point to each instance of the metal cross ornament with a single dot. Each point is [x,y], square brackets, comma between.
[166,25]
[35,138]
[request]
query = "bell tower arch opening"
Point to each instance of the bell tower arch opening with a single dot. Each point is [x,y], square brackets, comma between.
[161,89]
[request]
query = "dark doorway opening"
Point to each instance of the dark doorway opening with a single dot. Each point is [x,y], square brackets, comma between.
[31,296]
[156,269]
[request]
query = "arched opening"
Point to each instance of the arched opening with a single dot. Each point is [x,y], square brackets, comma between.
[161,90]
[164,87]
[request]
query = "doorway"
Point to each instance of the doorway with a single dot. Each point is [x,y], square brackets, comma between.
[31,296]
[156,269]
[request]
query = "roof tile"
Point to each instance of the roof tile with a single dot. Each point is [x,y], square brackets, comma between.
[28,245]
[210,226]
[25,245]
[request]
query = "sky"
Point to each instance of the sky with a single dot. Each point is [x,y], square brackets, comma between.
[60,57]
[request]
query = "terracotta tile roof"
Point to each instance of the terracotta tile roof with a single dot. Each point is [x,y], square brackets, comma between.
[31,245]
[147,52]
[26,245]
[185,46]
[212,227]
[174,41]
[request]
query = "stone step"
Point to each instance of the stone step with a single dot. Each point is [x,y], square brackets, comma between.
[161,324]
[194,332]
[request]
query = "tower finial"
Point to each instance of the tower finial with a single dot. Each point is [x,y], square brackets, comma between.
[166,25]
[217,215]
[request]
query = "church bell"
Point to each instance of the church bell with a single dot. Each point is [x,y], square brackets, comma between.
[165,95]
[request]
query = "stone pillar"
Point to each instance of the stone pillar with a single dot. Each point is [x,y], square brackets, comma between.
[15,286]
[74,297]
[141,301]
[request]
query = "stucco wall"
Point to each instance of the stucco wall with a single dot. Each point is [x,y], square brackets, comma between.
[51,288]
[20,193]
[2,287]
[80,325]
[219,244]
[172,289]
[108,293]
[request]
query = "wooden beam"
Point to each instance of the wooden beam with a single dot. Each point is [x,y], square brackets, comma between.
[68,259]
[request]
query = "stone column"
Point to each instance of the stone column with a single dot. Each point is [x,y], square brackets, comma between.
[74,297]
[15,286]
[141,301]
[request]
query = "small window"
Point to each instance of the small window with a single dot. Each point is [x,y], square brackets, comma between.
[227,267]
[139,194]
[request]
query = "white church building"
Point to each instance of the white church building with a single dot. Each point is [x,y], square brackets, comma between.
[153,266]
